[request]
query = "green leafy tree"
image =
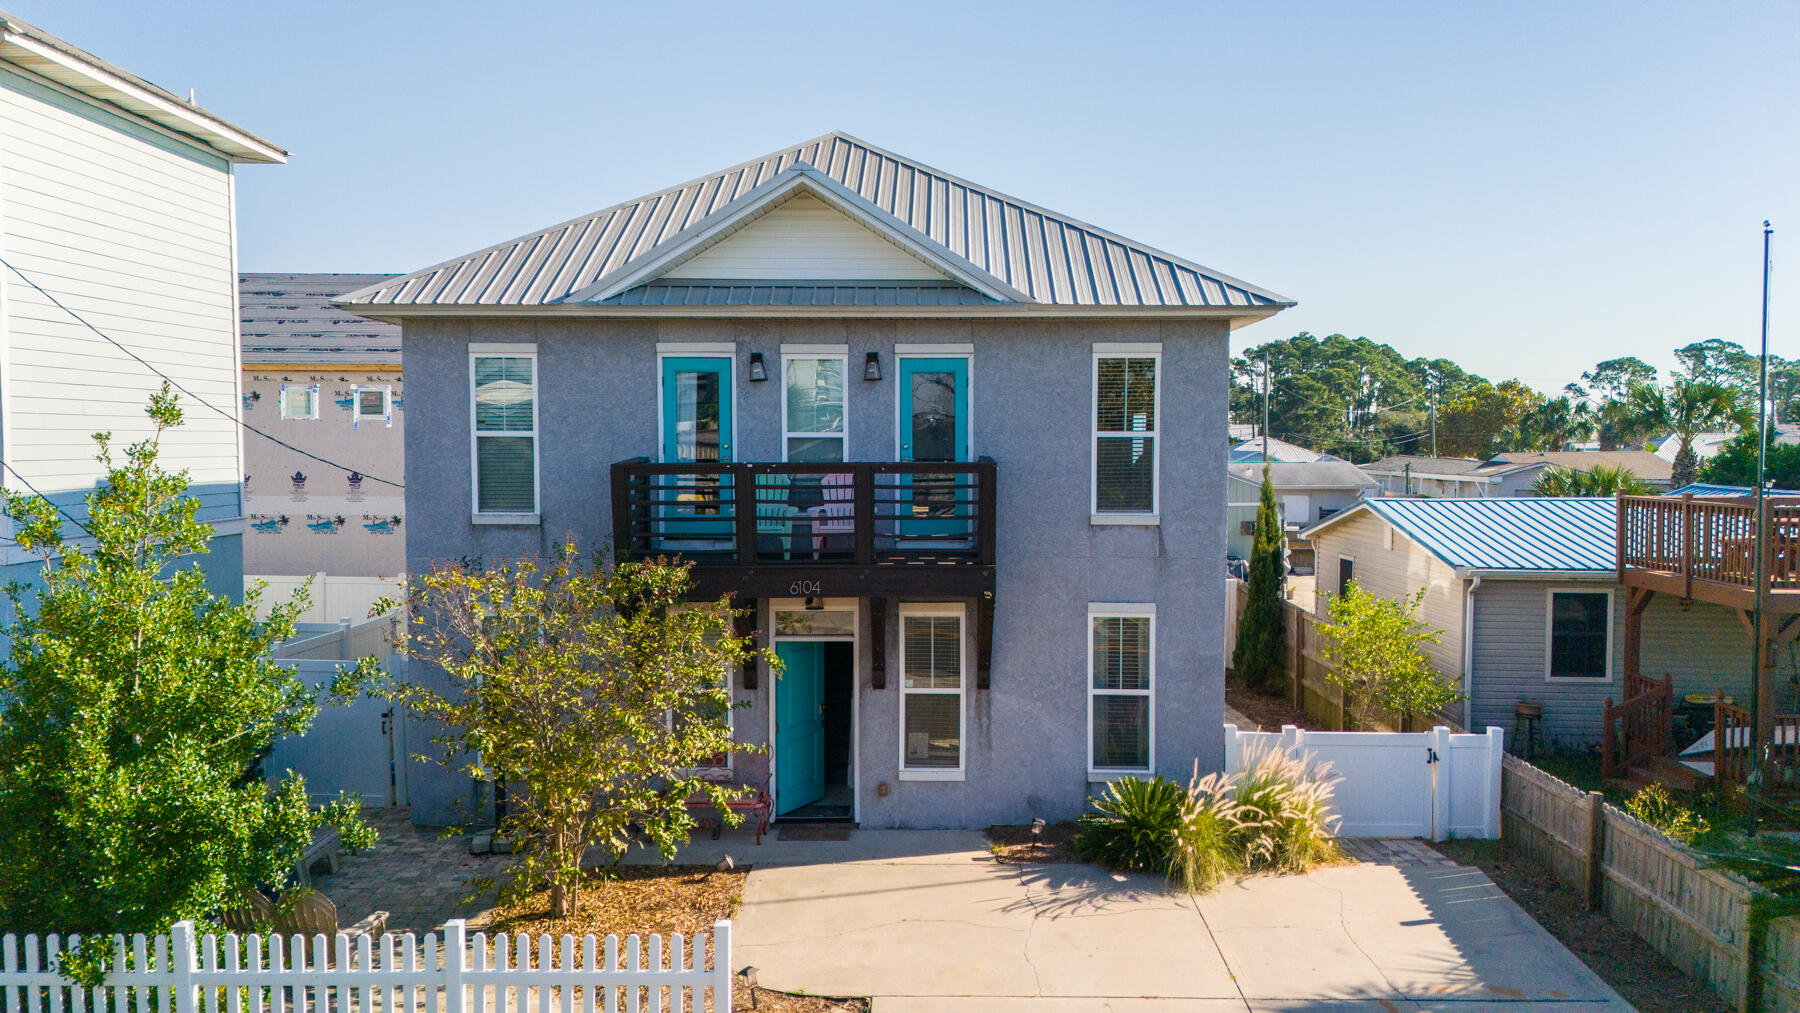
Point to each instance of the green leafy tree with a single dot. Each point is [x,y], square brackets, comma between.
[1688,408]
[1735,463]
[1375,648]
[1260,632]
[595,688]
[1600,480]
[1479,422]
[1610,380]
[137,707]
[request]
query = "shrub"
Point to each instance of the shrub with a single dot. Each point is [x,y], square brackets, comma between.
[1653,805]
[1206,847]
[1134,826]
[1286,811]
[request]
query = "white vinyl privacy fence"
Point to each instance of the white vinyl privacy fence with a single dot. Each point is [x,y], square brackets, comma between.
[1434,784]
[180,973]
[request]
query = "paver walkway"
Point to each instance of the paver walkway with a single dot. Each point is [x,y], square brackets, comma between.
[954,931]
[410,873]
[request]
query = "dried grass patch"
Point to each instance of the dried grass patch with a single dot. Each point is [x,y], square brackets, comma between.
[631,898]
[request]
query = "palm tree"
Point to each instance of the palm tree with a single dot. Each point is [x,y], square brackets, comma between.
[1600,480]
[1687,408]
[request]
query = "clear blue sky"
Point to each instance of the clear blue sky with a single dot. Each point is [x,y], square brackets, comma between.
[1525,188]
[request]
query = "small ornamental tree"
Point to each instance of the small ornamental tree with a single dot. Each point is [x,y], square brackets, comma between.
[1375,648]
[594,690]
[1257,656]
[134,711]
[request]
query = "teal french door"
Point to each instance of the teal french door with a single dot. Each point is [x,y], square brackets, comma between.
[934,426]
[799,725]
[696,429]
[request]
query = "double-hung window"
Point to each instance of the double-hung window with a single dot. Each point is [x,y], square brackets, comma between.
[813,417]
[371,404]
[300,401]
[1578,634]
[705,708]
[1121,689]
[503,384]
[931,692]
[1126,406]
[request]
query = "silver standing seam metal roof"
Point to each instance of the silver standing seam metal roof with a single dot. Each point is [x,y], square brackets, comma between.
[290,318]
[1561,534]
[1047,258]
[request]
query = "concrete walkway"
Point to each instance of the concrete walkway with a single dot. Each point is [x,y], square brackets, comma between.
[929,923]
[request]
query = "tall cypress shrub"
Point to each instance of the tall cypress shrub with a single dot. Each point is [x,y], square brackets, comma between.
[1260,637]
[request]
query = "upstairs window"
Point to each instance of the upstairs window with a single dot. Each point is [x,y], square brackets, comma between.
[1579,636]
[1126,406]
[814,414]
[300,401]
[505,423]
[371,404]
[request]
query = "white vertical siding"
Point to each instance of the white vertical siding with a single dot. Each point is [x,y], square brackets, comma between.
[133,230]
[1395,572]
[805,239]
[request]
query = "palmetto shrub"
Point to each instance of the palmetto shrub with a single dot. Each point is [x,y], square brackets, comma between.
[1275,815]
[1133,826]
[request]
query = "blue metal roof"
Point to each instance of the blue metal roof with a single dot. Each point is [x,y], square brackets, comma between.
[1710,489]
[1553,533]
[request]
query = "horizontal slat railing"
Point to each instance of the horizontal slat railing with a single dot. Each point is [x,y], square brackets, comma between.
[1711,538]
[852,513]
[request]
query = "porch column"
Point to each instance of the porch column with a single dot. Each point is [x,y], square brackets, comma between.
[1636,600]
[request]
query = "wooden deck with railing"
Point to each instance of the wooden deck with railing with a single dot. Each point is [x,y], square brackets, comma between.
[1706,548]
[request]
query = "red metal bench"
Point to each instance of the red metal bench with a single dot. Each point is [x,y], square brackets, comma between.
[756,806]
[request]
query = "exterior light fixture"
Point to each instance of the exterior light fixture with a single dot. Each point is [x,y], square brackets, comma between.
[872,366]
[749,976]
[757,372]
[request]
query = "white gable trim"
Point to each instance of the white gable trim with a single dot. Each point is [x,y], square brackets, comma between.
[708,232]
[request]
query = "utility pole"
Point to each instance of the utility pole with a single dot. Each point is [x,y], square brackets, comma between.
[1264,405]
[1762,534]
[1434,416]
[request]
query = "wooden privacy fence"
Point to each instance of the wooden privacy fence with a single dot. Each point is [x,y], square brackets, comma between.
[179,973]
[1701,918]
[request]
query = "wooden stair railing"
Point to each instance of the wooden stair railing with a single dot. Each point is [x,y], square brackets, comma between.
[1732,762]
[1639,728]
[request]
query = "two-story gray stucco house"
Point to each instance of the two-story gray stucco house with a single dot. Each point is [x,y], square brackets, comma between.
[959,452]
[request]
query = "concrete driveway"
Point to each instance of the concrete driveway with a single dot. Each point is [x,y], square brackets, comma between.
[929,923]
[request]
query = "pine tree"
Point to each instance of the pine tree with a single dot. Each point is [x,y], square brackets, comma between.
[1686,468]
[1260,635]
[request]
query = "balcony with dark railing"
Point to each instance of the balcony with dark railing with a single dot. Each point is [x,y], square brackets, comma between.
[1707,548]
[813,529]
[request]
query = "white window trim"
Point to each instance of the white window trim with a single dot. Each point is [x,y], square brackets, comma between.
[283,402]
[788,354]
[357,390]
[959,772]
[1113,610]
[1550,594]
[963,352]
[1103,350]
[476,514]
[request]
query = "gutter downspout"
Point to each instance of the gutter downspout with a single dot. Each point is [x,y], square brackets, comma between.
[1468,686]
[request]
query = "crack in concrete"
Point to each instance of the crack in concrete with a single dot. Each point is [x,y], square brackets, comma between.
[1025,950]
[1220,950]
[1399,993]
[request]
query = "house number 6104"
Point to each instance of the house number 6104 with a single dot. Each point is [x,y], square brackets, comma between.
[806,587]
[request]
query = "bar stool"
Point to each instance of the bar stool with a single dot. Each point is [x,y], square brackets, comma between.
[1526,716]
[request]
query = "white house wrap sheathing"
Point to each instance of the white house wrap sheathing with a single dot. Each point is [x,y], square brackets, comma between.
[1432,784]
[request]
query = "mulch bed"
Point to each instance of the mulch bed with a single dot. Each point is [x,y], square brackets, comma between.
[1014,844]
[1643,976]
[1266,709]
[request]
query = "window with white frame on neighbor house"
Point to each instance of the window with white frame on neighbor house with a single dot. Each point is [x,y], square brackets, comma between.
[1126,405]
[1580,626]
[1121,687]
[931,690]
[300,401]
[505,424]
[813,418]
[371,403]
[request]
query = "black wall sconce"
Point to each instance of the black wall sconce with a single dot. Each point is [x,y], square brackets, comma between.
[872,366]
[757,372]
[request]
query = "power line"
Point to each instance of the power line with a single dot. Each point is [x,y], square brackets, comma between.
[27,484]
[177,385]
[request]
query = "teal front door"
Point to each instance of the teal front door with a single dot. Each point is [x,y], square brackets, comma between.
[695,510]
[799,725]
[934,426]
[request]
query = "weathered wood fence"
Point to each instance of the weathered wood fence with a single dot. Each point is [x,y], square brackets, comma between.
[1701,918]
[182,973]
[1309,687]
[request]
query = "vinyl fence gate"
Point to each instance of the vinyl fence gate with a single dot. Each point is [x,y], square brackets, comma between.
[229,974]
[1434,785]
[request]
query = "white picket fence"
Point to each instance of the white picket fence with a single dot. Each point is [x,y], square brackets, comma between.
[397,974]
[1434,784]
